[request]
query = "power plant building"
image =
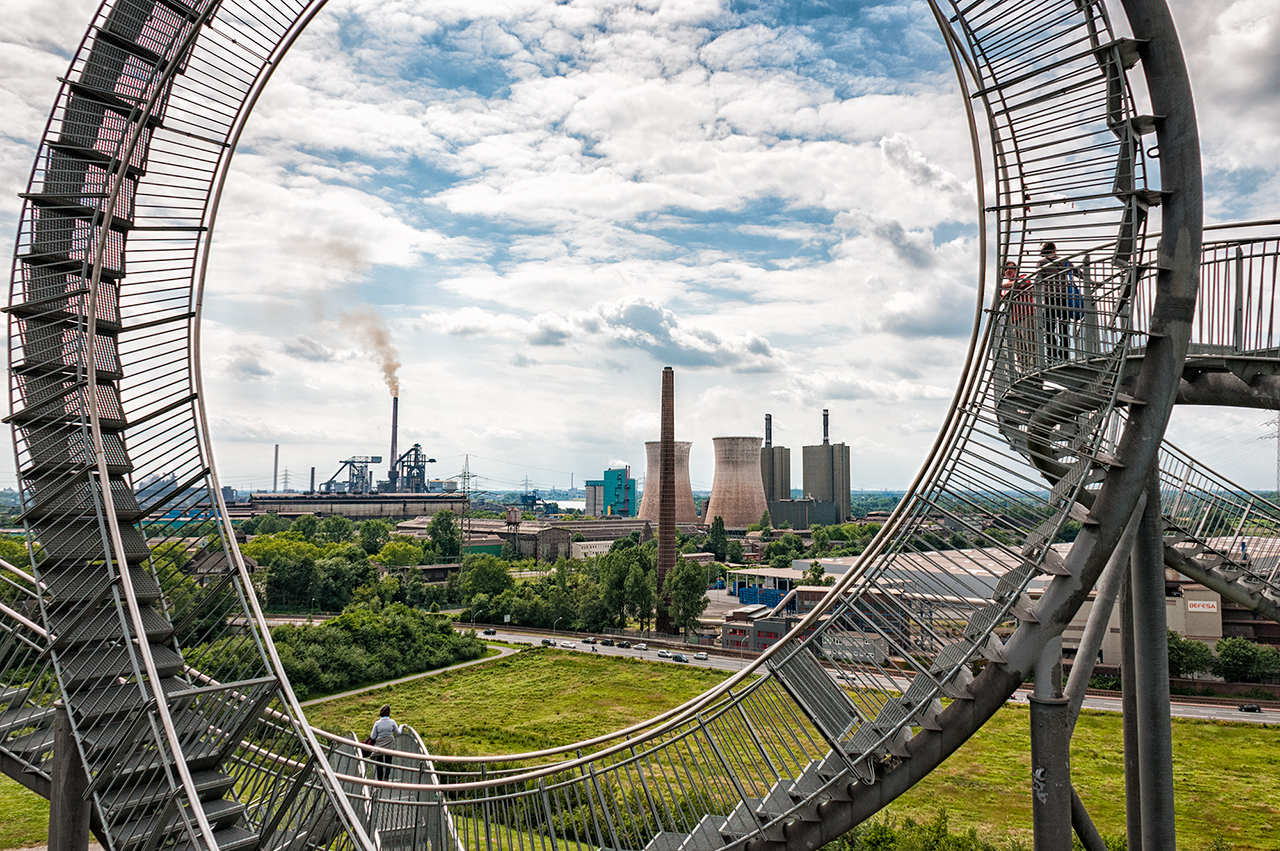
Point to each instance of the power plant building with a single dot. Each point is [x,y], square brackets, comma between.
[826,473]
[737,492]
[686,511]
[612,496]
[775,467]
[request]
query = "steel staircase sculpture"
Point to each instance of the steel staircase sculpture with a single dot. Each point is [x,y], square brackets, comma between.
[187,728]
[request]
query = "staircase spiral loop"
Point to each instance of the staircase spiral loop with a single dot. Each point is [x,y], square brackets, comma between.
[188,729]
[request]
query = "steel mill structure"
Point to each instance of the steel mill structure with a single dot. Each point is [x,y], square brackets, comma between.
[686,511]
[156,701]
[737,491]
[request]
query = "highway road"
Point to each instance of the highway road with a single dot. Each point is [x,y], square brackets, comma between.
[1179,709]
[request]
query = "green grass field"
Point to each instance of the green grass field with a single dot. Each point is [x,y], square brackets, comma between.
[1224,772]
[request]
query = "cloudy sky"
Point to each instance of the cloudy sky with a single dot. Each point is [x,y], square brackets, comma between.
[540,203]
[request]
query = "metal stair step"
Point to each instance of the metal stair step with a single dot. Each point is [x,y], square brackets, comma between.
[144,768]
[30,746]
[94,703]
[209,784]
[104,625]
[25,716]
[228,839]
[91,664]
[666,841]
[742,821]
[81,584]
[221,812]
[706,835]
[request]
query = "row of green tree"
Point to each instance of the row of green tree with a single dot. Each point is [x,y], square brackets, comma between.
[613,590]
[376,537]
[1235,659]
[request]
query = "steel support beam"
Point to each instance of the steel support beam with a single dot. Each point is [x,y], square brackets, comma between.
[69,811]
[1151,676]
[1129,708]
[1050,754]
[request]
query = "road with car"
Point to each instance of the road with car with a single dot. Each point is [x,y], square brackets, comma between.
[1180,709]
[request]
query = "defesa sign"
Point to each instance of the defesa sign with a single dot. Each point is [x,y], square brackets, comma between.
[1202,605]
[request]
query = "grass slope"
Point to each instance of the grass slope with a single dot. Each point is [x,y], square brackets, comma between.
[539,698]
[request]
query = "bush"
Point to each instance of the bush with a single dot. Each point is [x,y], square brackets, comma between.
[365,646]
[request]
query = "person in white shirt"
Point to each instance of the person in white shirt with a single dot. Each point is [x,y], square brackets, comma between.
[384,735]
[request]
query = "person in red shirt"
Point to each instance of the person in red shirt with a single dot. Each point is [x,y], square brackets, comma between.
[1017,290]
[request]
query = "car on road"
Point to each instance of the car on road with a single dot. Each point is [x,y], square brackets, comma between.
[490,631]
[548,642]
[589,640]
[568,645]
[625,645]
[665,654]
[701,657]
[679,657]
[642,646]
[606,642]
[1250,707]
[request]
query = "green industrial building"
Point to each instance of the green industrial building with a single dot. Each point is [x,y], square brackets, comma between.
[612,496]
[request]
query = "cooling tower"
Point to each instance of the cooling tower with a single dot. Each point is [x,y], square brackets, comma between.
[685,510]
[737,493]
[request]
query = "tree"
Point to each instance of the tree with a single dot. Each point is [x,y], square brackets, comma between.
[1188,656]
[374,535]
[336,530]
[717,540]
[687,590]
[735,554]
[641,594]
[307,525]
[269,524]
[399,554]
[766,522]
[813,575]
[485,574]
[612,571]
[1241,661]
[445,534]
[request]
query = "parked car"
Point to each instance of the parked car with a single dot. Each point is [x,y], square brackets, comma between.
[606,642]
[679,657]
[1250,707]
[548,642]
[589,640]
[625,645]
[642,646]
[490,631]
[701,657]
[568,645]
[665,654]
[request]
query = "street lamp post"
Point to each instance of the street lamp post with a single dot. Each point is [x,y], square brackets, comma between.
[553,626]
[473,617]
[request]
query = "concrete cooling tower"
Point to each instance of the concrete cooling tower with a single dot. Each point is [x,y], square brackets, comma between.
[737,493]
[686,512]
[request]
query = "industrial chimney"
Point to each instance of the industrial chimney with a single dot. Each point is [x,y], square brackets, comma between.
[395,427]
[768,430]
[826,434]
[737,492]
[686,511]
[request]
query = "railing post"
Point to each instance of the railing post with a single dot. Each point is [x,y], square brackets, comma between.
[68,808]
[1239,312]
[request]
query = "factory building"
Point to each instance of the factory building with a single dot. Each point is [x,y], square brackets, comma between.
[737,491]
[826,474]
[686,511]
[612,496]
[355,506]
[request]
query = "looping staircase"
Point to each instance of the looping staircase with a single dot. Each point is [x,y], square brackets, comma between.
[140,617]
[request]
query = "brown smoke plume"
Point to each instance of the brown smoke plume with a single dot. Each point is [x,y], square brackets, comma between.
[375,337]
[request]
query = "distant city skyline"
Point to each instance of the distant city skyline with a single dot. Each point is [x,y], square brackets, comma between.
[543,204]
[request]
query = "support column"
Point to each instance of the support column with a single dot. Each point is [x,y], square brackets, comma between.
[1151,677]
[69,817]
[1129,708]
[1050,754]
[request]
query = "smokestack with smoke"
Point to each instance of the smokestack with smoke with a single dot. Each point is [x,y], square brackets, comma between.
[395,427]
[371,331]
